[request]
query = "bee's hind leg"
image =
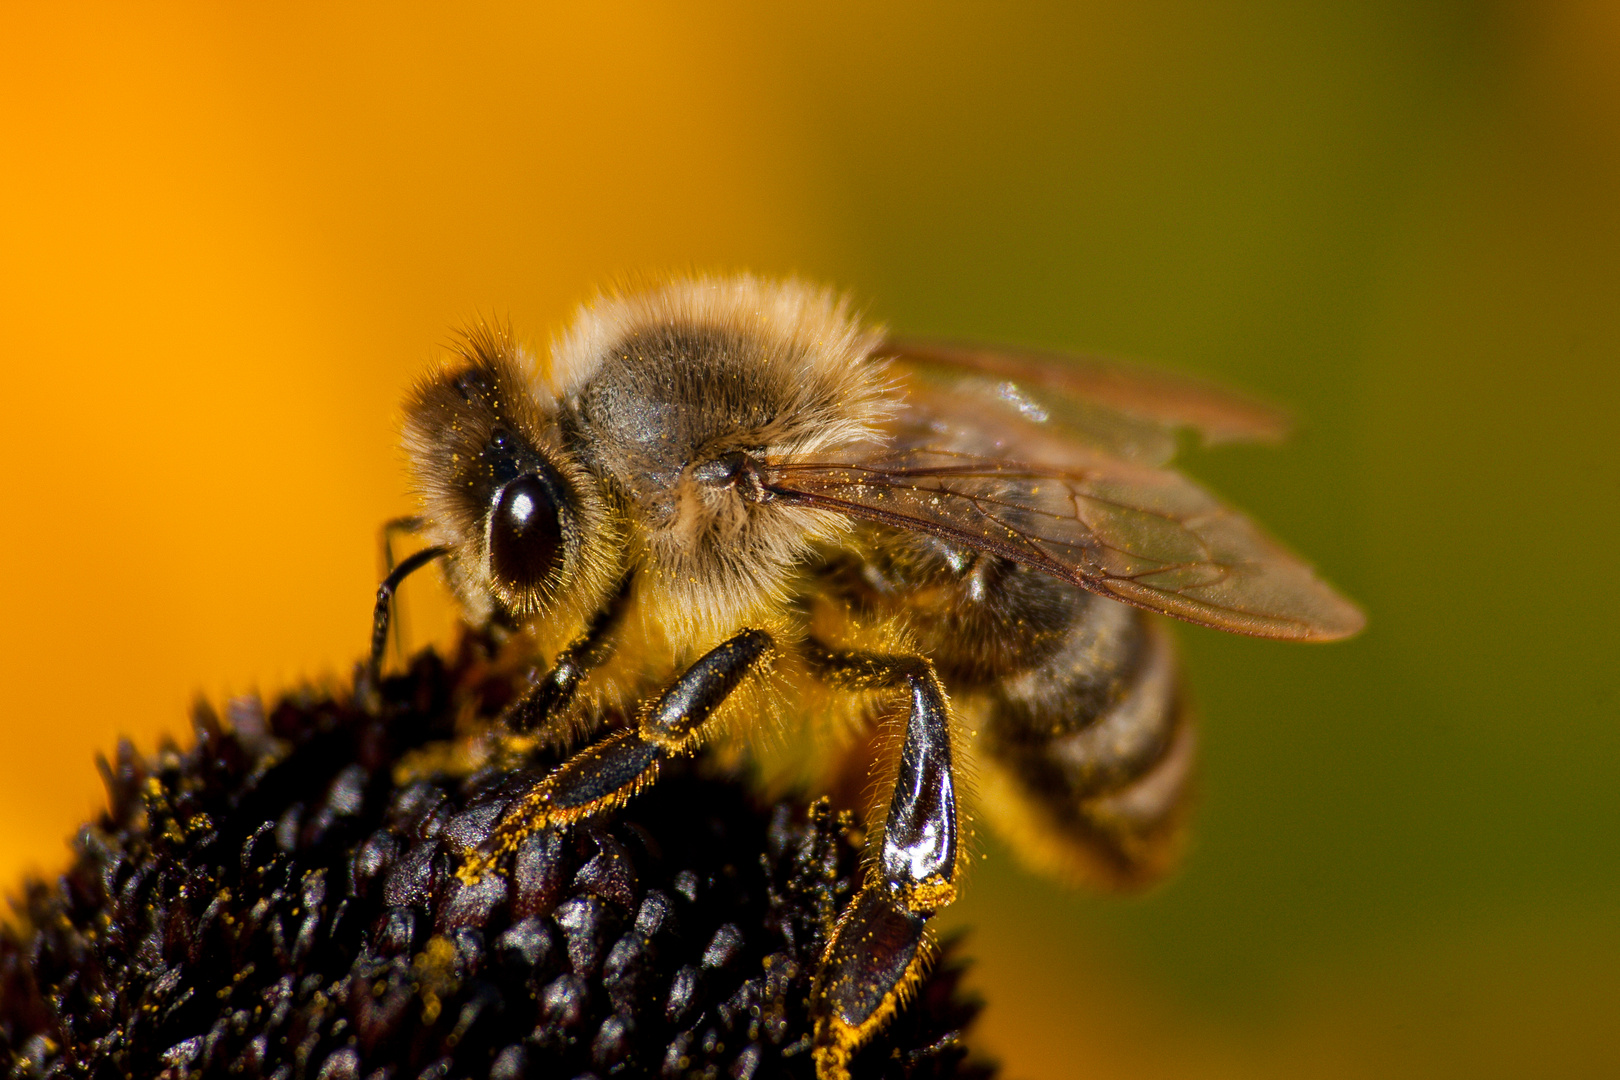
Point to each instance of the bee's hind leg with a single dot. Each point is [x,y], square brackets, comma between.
[608,772]
[880,947]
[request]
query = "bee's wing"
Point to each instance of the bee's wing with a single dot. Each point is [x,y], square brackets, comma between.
[1145,536]
[1130,412]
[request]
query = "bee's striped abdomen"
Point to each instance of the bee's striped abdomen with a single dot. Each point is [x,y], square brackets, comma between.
[1087,758]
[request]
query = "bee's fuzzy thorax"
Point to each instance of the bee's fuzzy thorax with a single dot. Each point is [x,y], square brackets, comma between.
[655,384]
[797,322]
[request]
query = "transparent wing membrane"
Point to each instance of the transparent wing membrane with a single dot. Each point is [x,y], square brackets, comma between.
[1126,410]
[1146,536]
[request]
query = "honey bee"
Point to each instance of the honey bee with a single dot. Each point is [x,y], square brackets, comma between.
[722,503]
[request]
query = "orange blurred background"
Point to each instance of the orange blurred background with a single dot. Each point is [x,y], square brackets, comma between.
[231,236]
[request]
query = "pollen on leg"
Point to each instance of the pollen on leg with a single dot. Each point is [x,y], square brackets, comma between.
[877,955]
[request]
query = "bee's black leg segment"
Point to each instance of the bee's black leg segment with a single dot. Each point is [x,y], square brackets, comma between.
[608,772]
[674,719]
[879,950]
[385,594]
[552,693]
[880,946]
[919,852]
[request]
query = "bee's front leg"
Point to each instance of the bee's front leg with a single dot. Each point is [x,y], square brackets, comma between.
[608,772]
[548,696]
[385,595]
[880,946]
[407,525]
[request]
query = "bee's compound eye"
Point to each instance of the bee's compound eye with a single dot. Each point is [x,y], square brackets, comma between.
[525,532]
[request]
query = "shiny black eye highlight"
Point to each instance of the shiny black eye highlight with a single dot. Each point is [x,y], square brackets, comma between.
[525,532]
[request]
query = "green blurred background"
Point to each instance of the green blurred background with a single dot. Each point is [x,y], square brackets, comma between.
[230,238]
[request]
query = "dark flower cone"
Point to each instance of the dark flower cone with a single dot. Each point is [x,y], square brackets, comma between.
[279,900]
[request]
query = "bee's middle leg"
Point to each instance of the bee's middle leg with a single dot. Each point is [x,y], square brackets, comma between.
[609,771]
[880,945]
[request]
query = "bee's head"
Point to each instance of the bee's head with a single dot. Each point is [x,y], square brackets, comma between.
[528,528]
